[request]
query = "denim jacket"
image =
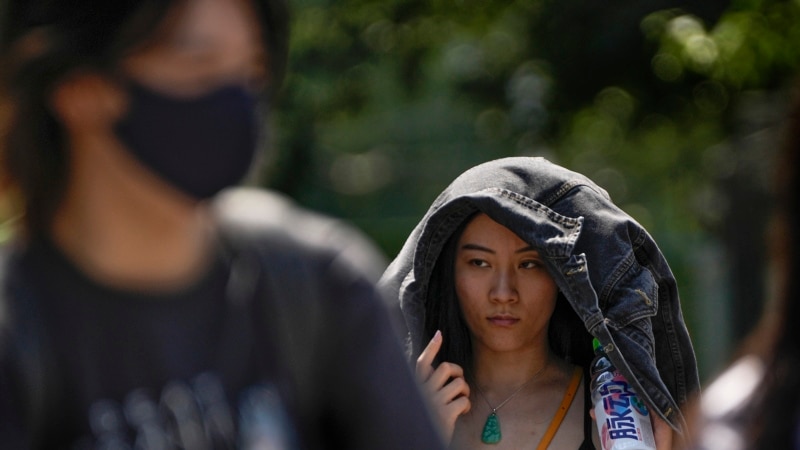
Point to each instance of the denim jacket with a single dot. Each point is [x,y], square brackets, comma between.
[604,263]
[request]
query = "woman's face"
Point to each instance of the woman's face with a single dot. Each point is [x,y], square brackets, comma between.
[505,293]
[201,44]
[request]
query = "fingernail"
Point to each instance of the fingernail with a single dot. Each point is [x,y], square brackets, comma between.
[437,336]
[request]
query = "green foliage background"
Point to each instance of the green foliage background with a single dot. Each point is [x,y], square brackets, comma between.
[675,109]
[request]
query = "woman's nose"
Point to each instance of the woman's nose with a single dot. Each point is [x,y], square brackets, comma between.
[504,287]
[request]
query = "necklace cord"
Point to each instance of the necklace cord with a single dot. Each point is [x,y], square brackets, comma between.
[495,409]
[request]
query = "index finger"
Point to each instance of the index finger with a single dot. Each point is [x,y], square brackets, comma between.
[425,360]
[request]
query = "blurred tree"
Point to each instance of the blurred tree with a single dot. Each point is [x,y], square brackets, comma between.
[735,76]
[440,86]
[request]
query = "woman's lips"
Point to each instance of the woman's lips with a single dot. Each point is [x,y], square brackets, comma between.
[503,321]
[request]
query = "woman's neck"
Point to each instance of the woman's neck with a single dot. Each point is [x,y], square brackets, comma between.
[124,227]
[505,371]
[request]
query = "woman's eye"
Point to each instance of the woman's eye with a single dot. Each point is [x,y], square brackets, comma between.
[478,263]
[530,264]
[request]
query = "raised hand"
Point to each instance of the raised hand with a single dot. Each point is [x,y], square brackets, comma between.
[662,432]
[445,386]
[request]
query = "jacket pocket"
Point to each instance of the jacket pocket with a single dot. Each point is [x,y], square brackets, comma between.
[630,300]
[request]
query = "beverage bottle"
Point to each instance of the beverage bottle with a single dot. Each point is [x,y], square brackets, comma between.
[623,420]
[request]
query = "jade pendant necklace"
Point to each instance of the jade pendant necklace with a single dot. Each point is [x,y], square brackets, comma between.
[491,433]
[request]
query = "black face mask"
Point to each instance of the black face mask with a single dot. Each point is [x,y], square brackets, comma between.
[199,145]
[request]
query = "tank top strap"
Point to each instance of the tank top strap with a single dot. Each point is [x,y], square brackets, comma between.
[569,395]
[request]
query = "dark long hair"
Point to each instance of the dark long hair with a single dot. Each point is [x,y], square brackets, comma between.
[42,41]
[566,332]
[442,310]
[776,411]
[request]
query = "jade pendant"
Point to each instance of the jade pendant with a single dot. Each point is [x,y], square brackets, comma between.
[491,430]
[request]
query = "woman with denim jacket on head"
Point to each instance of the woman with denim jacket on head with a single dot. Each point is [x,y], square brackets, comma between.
[140,305]
[503,284]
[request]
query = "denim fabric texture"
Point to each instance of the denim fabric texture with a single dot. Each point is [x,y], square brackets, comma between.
[607,266]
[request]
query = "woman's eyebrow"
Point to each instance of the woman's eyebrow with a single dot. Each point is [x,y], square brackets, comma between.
[527,248]
[477,247]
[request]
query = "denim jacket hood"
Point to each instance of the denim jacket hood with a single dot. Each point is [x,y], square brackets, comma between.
[605,264]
